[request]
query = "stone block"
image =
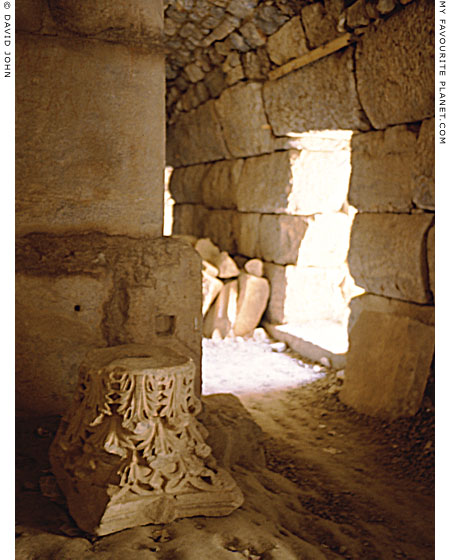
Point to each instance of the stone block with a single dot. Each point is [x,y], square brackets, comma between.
[247,234]
[80,291]
[280,237]
[320,26]
[256,64]
[386,255]
[369,302]
[186,143]
[233,108]
[325,243]
[251,303]
[186,184]
[388,365]
[381,178]
[255,267]
[226,265]
[319,96]
[207,250]
[288,42]
[395,67]
[211,287]
[301,294]
[220,184]
[430,259]
[221,227]
[423,167]
[189,219]
[77,164]
[222,314]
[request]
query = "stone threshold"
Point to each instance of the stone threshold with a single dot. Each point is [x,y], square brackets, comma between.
[314,340]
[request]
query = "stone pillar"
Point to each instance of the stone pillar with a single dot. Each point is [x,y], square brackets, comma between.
[93,268]
[129,451]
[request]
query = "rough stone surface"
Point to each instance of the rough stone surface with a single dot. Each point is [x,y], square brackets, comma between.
[394,63]
[186,184]
[280,237]
[209,268]
[320,96]
[222,314]
[388,365]
[251,303]
[247,234]
[226,265]
[430,259]
[207,250]
[77,291]
[386,255]
[211,287]
[234,107]
[189,219]
[220,184]
[77,165]
[369,302]
[320,27]
[381,179]
[288,42]
[423,167]
[325,243]
[186,143]
[255,267]
[221,227]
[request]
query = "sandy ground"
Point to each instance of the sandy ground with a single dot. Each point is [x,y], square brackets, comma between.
[333,484]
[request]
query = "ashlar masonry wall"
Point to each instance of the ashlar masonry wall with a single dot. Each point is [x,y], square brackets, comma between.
[272,168]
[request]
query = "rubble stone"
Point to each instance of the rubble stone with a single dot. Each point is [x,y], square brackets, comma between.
[288,42]
[385,255]
[222,314]
[207,250]
[233,108]
[394,62]
[318,96]
[320,27]
[255,267]
[395,353]
[251,303]
[226,265]
[211,287]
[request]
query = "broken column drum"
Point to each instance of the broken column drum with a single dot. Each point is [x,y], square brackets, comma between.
[129,451]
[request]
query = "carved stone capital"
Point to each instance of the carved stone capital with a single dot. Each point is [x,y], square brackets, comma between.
[129,451]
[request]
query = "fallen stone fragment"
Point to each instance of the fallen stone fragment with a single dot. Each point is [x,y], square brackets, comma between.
[222,314]
[211,287]
[260,335]
[210,269]
[226,265]
[278,347]
[208,251]
[252,302]
[255,267]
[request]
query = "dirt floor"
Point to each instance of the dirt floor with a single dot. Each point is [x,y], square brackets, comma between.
[335,484]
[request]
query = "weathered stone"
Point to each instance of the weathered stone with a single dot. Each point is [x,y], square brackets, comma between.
[288,42]
[356,15]
[189,239]
[189,219]
[430,258]
[221,182]
[320,96]
[280,237]
[256,64]
[317,141]
[369,302]
[241,8]
[80,291]
[301,294]
[202,92]
[325,243]
[423,167]
[388,365]
[255,267]
[221,227]
[226,265]
[225,27]
[386,255]
[29,15]
[247,234]
[236,41]
[233,108]
[234,75]
[89,176]
[186,184]
[253,36]
[186,138]
[209,268]
[215,82]
[320,27]
[252,301]
[194,73]
[144,461]
[394,62]
[385,6]
[222,314]
[207,250]
[381,178]
[294,182]
[211,287]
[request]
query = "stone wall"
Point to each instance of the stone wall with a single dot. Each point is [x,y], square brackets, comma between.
[92,267]
[272,168]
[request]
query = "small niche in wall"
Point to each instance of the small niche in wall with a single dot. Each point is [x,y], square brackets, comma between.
[165,325]
[77,307]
